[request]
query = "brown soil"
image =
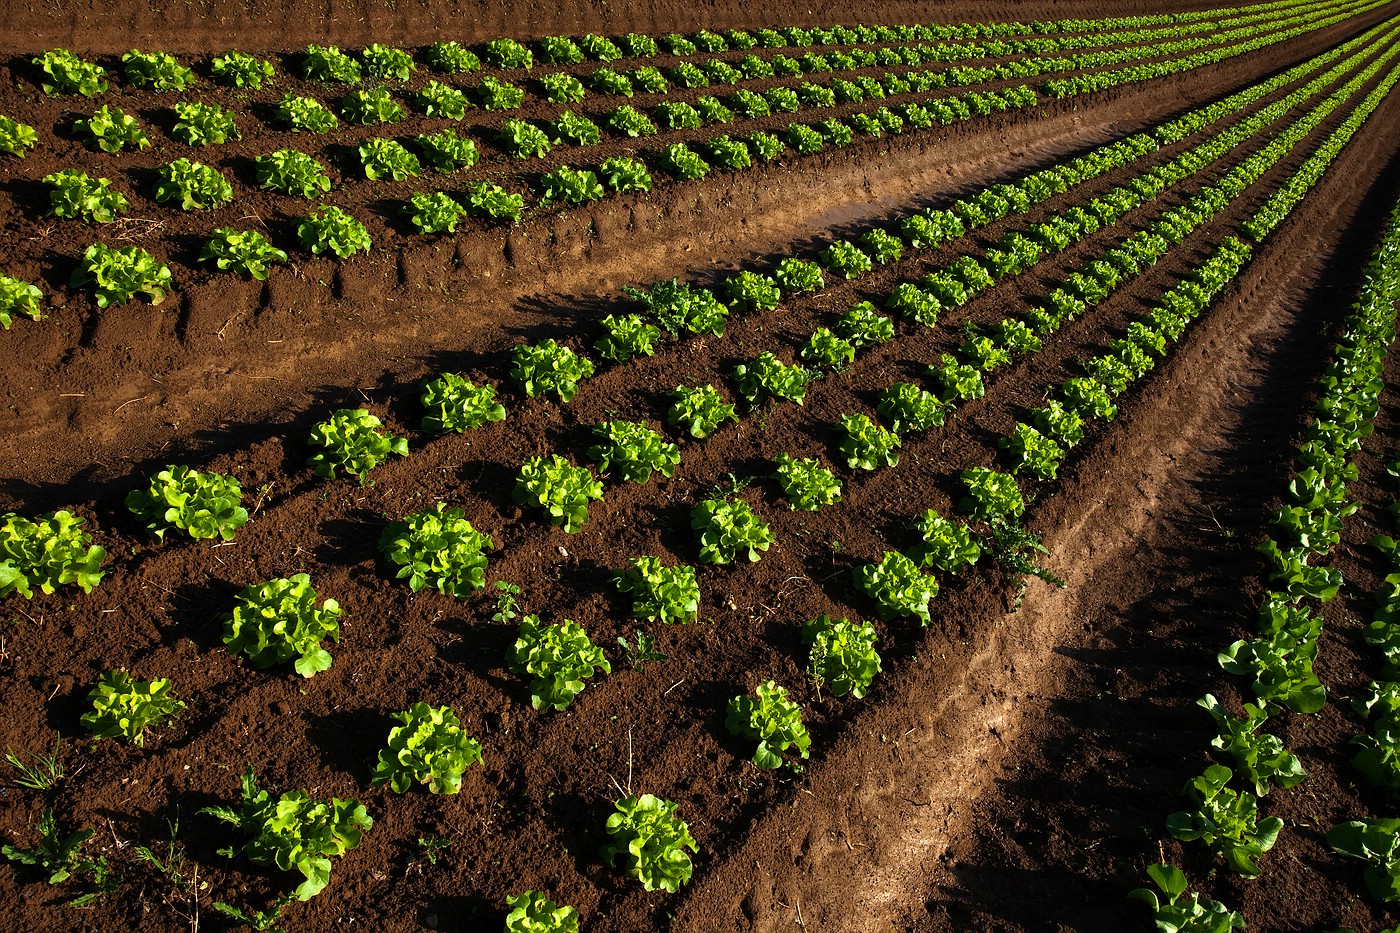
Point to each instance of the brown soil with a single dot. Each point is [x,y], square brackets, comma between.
[1009,770]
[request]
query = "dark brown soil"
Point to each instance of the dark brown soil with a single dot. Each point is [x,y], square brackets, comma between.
[1009,770]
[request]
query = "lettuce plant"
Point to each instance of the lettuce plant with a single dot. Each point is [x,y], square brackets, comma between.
[118,275]
[677,44]
[559,50]
[767,376]
[626,336]
[18,297]
[678,306]
[798,275]
[292,172]
[865,444]
[387,63]
[607,81]
[728,153]
[944,545]
[200,124]
[457,404]
[247,252]
[434,213]
[304,114]
[328,229]
[560,88]
[681,162]
[909,408]
[240,70]
[559,658]
[638,46]
[276,621]
[826,350]
[328,63]
[451,58]
[632,450]
[771,719]
[67,73]
[112,130]
[629,121]
[294,832]
[367,108]
[897,587]
[549,367]
[782,100]
[806,483]
[565,185]
[687,75]
[839,134]
[1260,757]
[1226,821]
[649,842]
[569,127]
[1088,398]
[648,80]
[488,199]
[273,622]
[660,593]
[1029,450]
[751,291]
[507,54]
[1377,843]
[438,548]
[727,529]
[207,505]
[1181,914]
[599,48]
[747,104]
[558,487]
[442,101]
[844,258]
[1281,668]
[47,553]
[125,707]
[16,138]
[701,410]
[533,912]
[495,94]
[1058,421]
[524,140]
[913,303]
[843,657]
[351,440]
[863,326]
[387,158]
[446,152]
[991,496]
[193,185]
[947,288]
[882,246]
[156,71]
[429,748]
[76,195]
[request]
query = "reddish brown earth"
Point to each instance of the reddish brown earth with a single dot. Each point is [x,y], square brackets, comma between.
[1009,770]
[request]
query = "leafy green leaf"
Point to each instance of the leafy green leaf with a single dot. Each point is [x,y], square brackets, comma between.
[560,658]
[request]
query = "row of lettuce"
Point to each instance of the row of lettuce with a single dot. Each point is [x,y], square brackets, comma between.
[118,274]
[1278,663]
[62,72]
[440,549]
